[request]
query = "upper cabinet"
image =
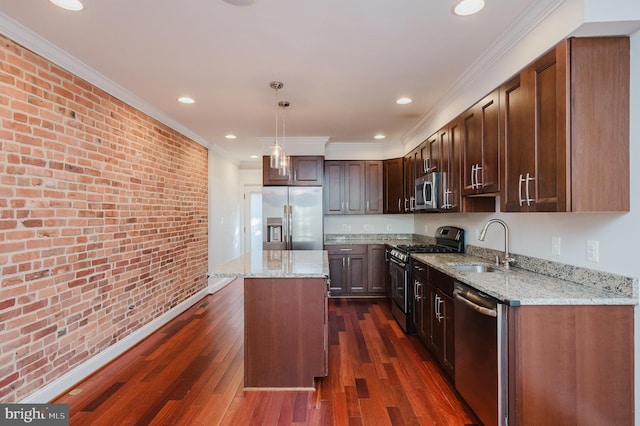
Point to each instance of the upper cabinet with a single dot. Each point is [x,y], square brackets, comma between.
[305,170]
[393,186]
[565,137]
[480,136]
[353,187]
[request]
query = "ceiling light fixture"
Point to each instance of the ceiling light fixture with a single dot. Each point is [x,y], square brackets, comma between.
[285,161]
[404,101]
[230,136]
[239,2]
[468,7]
[73,5]
[379,136]
[274,157]
[186,100]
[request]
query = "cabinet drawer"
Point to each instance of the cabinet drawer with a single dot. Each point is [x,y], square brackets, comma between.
[420,270]
[346,249]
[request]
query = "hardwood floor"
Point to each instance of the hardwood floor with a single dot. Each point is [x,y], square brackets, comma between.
[190,372]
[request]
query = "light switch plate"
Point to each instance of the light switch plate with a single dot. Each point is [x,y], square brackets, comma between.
[555,245]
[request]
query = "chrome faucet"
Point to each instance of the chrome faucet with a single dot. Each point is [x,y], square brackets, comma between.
[506,259]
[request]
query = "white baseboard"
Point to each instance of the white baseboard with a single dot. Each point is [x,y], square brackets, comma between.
[84,370]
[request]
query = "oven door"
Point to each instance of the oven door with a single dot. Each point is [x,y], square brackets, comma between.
[398,280]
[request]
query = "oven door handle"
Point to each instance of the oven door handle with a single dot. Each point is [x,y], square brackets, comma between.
[397,262]
[480,309]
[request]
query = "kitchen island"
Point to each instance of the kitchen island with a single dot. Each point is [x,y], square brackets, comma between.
[285,317]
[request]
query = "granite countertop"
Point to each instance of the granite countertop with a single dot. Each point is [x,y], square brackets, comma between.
[276,263]
[517,286]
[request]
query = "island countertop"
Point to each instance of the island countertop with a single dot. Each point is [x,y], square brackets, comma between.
[276,264]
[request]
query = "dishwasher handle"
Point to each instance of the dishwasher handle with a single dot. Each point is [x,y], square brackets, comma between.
[480,309]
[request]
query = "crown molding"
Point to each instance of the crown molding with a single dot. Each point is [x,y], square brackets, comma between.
[41,46]
[518,30]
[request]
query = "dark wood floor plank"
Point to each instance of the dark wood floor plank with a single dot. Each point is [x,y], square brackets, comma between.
[191,372]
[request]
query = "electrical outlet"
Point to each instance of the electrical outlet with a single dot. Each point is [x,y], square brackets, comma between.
[593,251]
[555,245]
[343,227]
[426,229]
[389,227]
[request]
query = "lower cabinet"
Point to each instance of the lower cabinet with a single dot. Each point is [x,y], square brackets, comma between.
[357,269]
[433,313]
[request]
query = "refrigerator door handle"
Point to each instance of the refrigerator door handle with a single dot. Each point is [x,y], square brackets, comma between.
[285,228]
[290,227]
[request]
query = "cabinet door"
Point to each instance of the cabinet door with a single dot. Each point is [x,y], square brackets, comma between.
[533,141]
[448,347]
[354,187]
[337,268]
[307,170]
[271,177]
[373,187]
[333,187]
[431,155]
[481,155]
[518,146]
[356,273]
[393,186]
[376,278]
[436,326]
[419,303]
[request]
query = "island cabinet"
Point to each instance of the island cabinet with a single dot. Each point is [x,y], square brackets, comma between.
[305,170]
[286,336]
[393,186]
[565,136]
[353,187]
[480,137]
[571,365]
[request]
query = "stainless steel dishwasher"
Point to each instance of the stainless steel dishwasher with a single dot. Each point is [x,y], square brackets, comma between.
[480,353]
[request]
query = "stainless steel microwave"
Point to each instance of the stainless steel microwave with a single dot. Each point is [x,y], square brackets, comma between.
[427,191]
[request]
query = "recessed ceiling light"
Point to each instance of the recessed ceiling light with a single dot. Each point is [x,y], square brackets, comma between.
[186,100]
[73,5]
[379,136]
[468,7]
[404,101]
[253,156]
[230,136]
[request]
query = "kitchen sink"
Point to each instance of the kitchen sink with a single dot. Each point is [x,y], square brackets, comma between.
[474,267]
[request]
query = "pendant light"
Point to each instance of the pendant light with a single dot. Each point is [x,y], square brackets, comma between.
[276,154]
[285,162]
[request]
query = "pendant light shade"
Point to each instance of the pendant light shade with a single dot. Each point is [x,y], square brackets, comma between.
[276,150]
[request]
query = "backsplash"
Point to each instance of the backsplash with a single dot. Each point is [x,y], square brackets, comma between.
[614,283]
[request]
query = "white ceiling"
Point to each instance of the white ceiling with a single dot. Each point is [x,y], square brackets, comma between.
[343,62]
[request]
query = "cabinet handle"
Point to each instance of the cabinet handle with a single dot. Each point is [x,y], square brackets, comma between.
[368,206]
[343,263]
[416,289]
[473,176]
[412,203]
[346,249]
[529,179]
[342,206]
[406,200]
[347,206]
[399,200]
[520,180]
[349,263]
[478,183]
[295,175]
[425,165]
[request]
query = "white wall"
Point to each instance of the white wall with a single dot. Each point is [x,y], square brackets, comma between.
[225,204]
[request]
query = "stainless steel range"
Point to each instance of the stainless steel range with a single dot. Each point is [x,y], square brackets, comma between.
[449,239]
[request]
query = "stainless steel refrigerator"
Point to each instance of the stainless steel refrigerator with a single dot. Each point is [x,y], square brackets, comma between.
[292,218]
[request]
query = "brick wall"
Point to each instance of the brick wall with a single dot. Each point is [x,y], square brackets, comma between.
[103,220]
